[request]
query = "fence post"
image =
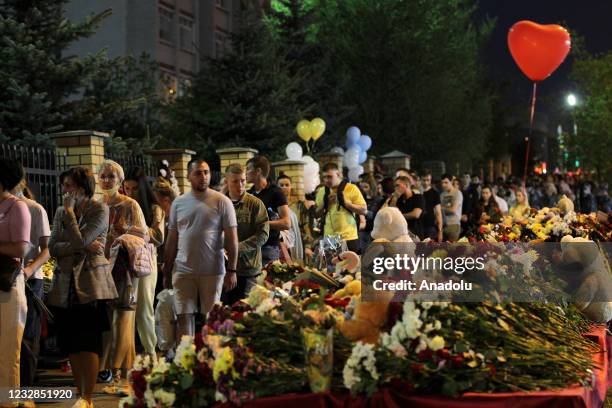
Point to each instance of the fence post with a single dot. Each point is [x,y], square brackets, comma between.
[178,160]
[395,160]
[330,157]
[294,169]
[82,148]
[233,155]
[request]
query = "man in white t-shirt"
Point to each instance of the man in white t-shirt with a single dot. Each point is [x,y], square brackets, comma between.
[36,257]
[202,224]
[451,200]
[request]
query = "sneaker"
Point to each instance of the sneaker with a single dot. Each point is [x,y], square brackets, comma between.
[105,376]
[82,403]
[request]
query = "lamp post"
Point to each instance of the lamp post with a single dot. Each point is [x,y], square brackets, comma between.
[572,101]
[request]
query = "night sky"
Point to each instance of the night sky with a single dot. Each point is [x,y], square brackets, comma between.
[591,19]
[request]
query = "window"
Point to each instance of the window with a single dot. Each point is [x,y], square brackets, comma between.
[166,25]
[186,37]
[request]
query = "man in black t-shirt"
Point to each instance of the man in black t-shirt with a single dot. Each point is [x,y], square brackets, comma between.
[258,169]
[410,204]
[432,213]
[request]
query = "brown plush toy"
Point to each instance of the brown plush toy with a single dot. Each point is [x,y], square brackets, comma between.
[369,318]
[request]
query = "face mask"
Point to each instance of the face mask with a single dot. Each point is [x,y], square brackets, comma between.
[111,191]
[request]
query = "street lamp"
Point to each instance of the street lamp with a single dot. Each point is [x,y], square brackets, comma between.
[571,100]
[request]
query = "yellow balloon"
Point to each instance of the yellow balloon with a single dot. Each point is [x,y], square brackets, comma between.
[303,130]
[317,126]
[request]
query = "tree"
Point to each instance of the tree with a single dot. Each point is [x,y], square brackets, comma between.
[247,97]
[38,79]
[411,71]
[123,97]
[593,144]
[294,25]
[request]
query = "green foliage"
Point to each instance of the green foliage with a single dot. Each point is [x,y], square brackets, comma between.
[123,97]
[411,72]
[593,143]
[38,78]
[247,97]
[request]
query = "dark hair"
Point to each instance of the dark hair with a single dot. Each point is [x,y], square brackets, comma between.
[446,176]
[388,186]
[260,162]
[82,177]
[403,179]
[193,164]
[146,198]
[11,173]
[492,200]
[330,166]
[426,172]
[283,176]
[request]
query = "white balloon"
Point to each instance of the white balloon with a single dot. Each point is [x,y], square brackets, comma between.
[307,159]
[351,157]
[293,151]
[354,173]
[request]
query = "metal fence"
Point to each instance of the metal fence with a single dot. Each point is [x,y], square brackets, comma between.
[130,160]
[43,168]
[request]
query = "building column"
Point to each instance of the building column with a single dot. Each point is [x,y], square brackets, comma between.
[83,148]
[235,155]
[395,160]
[294,169]
[330,157]
[178,161]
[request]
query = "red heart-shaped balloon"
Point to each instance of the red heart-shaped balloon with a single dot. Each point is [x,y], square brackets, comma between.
[538,49]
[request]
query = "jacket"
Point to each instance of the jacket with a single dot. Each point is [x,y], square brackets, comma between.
[253,232]
[68,245]
[140,254]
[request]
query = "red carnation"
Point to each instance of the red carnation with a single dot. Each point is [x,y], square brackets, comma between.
[417,368]
[425,355]
[457,361]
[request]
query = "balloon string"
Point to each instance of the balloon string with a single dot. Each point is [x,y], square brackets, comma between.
[531,116]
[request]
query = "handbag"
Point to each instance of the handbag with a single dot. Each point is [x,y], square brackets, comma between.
[10,268]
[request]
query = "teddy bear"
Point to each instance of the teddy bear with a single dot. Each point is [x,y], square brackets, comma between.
[370,316]
[368,319]
[565,205]
[587,273]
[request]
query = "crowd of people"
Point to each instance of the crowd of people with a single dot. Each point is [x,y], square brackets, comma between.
[115,252]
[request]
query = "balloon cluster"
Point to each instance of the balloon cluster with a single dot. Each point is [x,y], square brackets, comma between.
[311,167]
[310,130]
[357,146]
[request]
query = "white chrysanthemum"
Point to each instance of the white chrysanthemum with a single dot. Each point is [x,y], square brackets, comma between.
[422,345]
[149,398]
[137,363]
[161,366]
[362,355]
[437,325]
[266,306]
[426,305]
[166,399]
[257,295]
[220,397]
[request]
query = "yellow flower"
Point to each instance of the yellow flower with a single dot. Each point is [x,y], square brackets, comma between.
[224,363]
